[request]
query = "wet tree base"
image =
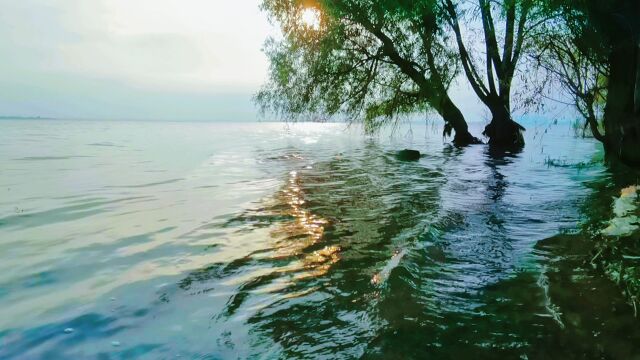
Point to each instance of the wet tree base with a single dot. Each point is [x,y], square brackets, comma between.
[505,134]
[627,151]
[465,139]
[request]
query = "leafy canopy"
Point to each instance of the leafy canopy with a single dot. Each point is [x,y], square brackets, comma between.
[365,59]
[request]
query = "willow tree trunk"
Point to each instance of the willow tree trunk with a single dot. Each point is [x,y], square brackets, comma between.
[502,131]
[432,89]
[494,89]
[455,120]
[622,112]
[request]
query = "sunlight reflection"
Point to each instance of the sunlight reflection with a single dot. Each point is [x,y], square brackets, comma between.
[305,230]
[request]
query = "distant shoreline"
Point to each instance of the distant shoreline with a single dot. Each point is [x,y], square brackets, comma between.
[26,118]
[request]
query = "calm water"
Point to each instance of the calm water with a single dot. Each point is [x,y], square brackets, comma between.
[123,240]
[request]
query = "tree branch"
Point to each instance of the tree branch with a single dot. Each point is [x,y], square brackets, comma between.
[469,69]
[508,31]
[491,43]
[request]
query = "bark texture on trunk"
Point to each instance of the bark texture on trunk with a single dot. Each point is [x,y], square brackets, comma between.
[621,116]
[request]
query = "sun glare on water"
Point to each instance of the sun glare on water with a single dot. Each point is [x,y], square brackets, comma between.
[311,18]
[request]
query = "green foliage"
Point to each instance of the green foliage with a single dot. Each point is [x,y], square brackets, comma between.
[595,27]
[375,61]
[358,63]
[578,77]
[592,52]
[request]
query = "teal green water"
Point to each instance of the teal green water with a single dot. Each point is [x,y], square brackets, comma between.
[155,240]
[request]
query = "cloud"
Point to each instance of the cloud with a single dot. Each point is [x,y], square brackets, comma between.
[177,55]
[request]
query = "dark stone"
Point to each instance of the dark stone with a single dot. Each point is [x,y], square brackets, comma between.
[408,155]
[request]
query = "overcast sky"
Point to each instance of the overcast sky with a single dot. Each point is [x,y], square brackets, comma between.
[142,59]
[137,59]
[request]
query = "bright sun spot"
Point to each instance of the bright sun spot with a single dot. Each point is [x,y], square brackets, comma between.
[311,18]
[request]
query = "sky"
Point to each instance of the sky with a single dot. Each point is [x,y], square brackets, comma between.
[132,59]
[140,60]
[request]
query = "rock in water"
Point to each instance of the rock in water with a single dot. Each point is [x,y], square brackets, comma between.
[408,155]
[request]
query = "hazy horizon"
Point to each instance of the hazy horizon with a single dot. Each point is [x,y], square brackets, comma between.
[144,60]
[148,60]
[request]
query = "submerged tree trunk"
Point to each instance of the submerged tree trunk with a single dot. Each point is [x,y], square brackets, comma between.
[622,111]
[494,89]
[432,89]
[622,115]
[502,131]
[455,120]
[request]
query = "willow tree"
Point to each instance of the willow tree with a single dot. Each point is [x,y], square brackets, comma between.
[508,31]
[362,59]
[607,34]
[582,78]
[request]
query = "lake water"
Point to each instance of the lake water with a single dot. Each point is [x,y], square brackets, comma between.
[159,240]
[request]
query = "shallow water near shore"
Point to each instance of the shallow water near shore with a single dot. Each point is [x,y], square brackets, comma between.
[158,240]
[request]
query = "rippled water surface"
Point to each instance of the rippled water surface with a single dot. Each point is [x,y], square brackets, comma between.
[123,240]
